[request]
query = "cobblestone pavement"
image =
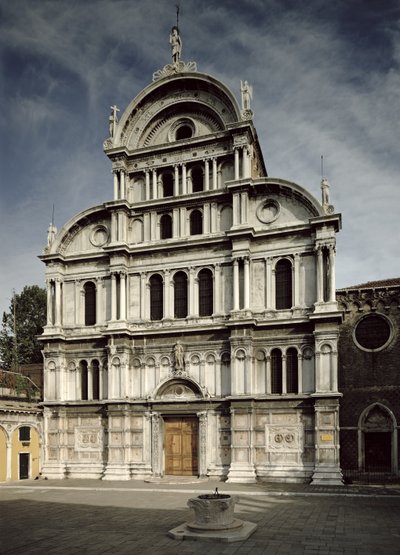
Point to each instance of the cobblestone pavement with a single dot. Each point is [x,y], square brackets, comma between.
[120,518]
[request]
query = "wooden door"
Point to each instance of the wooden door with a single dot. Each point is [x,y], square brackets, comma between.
[181,440]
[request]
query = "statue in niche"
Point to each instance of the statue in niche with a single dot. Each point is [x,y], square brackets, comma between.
[247,95]
[112,120]
[176,44]
[179,356]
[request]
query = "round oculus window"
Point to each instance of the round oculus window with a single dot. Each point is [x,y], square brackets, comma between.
[181,129]
[184,132]
[373,332]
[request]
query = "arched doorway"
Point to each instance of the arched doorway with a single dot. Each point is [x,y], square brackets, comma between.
[378,441]
[180,429]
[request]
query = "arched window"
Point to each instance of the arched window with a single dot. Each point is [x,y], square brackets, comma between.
[156,297]
[292,380]
[168,185]
[276,371]
[165,226]
[96,379]
[90,303]
[84,380]
[206,297]
[196,222]
[283,284]
[180,295]
[197,179]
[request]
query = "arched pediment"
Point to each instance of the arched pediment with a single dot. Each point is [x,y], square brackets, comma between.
[87,231]
[278,203]
[293,197]
[179,389]
[197,97]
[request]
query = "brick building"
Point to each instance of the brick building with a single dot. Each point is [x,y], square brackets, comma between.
[369,377]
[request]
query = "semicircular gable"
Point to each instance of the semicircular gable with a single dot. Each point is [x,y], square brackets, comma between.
[183,95]
[284,202]
[88,231]
[178,389]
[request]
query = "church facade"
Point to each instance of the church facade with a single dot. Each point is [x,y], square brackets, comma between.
[192,320]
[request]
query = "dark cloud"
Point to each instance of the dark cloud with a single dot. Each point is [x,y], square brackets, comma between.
[325,77]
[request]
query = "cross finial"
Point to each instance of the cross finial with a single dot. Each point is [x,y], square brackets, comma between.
[113,120]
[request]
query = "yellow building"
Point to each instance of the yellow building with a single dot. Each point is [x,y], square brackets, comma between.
[20,440]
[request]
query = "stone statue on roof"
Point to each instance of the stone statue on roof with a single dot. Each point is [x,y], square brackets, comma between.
[325,189]
[176,44]
[51,234]
[247,95]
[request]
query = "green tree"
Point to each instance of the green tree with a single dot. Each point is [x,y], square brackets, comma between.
[21,326]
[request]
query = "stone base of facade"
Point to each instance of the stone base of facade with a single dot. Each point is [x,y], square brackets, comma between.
[54,470]
[117,471]
[90,470]
[286,474]
[241,474]
[325,475]
[141,472]
[218,472]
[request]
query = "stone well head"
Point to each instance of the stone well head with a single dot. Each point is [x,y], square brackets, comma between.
[213,512]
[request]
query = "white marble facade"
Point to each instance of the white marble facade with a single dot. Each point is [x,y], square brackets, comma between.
[204,290]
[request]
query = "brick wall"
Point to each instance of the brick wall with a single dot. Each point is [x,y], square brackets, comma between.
[366,377]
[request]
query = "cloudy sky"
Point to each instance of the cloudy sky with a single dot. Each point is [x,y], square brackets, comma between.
[325,77]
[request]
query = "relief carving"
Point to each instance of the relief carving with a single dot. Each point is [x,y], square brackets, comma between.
[87,439]
[284,439]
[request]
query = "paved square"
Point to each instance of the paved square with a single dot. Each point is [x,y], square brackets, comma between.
[90,518]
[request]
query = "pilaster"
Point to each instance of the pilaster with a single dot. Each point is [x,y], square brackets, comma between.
[242,466]
[327,462]
[117,467]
